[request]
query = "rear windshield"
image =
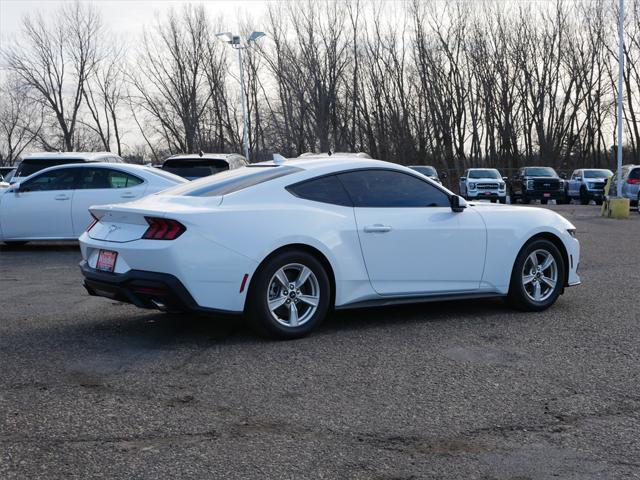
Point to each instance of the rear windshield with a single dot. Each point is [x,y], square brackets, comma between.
[597,174]
[635,173]
[230,181]
[540,172]
[195,167]
[30,166]
[485,173]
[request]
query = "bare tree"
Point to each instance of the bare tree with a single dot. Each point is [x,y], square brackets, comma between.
[21,121]
[55,58]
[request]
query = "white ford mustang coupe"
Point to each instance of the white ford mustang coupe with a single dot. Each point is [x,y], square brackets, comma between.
[284,242]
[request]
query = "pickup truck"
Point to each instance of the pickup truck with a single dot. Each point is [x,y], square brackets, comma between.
[537,183]
[587,184]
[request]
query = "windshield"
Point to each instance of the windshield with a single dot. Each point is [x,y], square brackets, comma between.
[597,173]
[230,181]
[484,173]
[32,165]
[192,168]
[540,172]
[428,171]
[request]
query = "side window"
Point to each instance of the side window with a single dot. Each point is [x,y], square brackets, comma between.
[119,179]
[388,188]
[63,179]
[325,189]
[101,178]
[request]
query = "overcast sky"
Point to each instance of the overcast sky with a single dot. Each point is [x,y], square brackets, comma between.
[127,16]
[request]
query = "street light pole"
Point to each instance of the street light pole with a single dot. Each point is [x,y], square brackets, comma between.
[620,97]
[245,133]
[236,42]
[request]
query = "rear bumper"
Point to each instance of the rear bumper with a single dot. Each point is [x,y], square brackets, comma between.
[160,291]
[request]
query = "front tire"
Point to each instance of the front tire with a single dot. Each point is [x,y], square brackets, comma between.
[289,296]
[538,276]
[584,197]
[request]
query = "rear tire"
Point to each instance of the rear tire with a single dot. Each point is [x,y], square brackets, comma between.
[526,200]
[544,201]
[15,243]
[536,284]
[502,200]
[293,310]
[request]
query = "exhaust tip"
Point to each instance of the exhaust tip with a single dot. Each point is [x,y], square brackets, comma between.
[159,305]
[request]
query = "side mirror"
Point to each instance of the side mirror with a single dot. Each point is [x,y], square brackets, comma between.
[462,179]
[506,179]
[563,176]
[458,204]
[443,174]
[578,179]
[14,187]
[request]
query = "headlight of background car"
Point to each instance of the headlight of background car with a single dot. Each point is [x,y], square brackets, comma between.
[472,186]
[529,184]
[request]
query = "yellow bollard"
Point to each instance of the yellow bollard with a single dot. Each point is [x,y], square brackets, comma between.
[614,207]
[619,207]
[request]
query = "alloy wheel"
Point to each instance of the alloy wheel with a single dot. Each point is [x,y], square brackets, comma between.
[293,295]
[540,275]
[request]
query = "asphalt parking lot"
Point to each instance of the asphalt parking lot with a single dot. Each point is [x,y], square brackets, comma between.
[91,388]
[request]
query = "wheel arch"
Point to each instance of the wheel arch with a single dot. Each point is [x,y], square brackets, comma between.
[558,244]
[321,257]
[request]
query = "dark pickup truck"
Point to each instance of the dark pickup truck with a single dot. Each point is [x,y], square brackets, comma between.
[537,183]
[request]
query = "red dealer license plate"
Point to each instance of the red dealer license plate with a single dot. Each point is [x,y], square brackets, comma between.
[106,260]
[547,194]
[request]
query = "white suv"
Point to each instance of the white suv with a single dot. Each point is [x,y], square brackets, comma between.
[487,183]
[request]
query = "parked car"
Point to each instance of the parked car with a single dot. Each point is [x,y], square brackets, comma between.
[537,183]
[283,242]
[587,184]
[53,204]
[427,171]
[630,184]
[7,172]
[34,162]
[201,165]
[483,183]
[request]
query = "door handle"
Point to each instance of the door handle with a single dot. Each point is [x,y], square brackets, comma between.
[127,195]
[377,228]
[61,197]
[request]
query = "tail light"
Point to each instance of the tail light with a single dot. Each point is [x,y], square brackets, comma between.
[94,220]
[163,229]
[633,181]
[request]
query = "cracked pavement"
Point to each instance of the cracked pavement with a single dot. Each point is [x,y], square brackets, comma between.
[91,388]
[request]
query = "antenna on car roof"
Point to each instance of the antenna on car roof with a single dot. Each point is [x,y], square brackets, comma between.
[329,153]
[201,153]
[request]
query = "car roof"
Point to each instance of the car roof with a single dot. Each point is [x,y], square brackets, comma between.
[88,156]
[345,162]
[211,156]
[334,154]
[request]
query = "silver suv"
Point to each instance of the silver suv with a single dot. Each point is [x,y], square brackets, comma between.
[630,184]
[487,183]
[587,184]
